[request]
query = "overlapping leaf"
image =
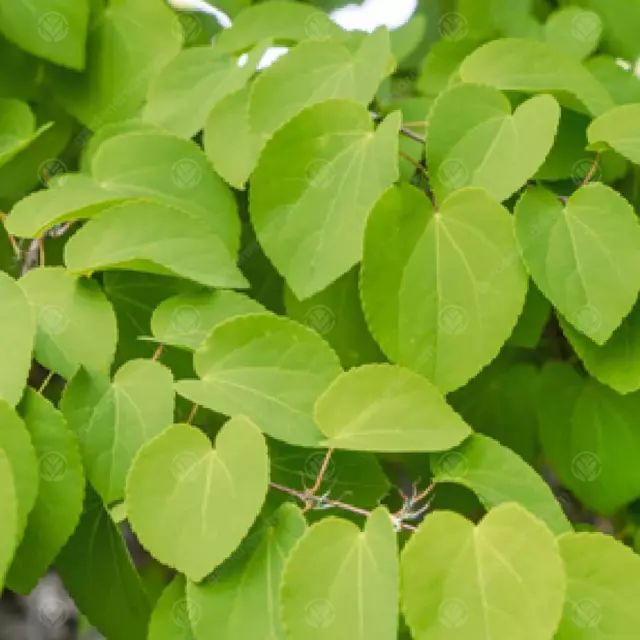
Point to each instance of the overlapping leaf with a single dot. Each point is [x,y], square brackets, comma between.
[64,307]
[442,292]
[58,506]
[341,582]
[583,256]
[475,141]
[180,490]
[242,602]
[387,408]
[112,420]
[483,582]
[268,368]
[497,475]
[17,127]
[310,222]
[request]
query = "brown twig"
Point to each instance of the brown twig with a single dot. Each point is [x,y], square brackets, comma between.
[323,469]
[592,170]
[415,163]
[193,412]
[304,498]
[158,352]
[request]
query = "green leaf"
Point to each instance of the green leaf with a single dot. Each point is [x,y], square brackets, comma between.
[58,507]
[182,95]
[243,601]
[16,442]
[483,582]
[535,67]
[574,31]
[180,490]
[17,335]
[616,363]
[341,582]
[335,313]
[442,292]
[268,368]
[311,221]
[187,320]
[407,38]
[316,71]
[131,42]
[170,617]
[603,577]
[475,141]
[497,475]
[618,128]
[227,127]
[356,474]
[8,514]
[387,408]
[501,402]
[151,237]
[17,128]
[52,29]
[69,197]
[531,324]
[112,420]
[98,573]
[280,21]
[589,437]
[176,172]
[65,306]
[583,256]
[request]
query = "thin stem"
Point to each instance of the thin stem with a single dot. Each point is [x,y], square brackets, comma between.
[416,124]
[193,412]
[424,494]
[415,163]
[404,131]
[41,252]
[592,170]
[158,352]
[304,498]
[323,469]
[46,382]
[12,240]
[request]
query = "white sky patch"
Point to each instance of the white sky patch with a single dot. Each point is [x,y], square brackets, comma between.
[375,13]
[366,17]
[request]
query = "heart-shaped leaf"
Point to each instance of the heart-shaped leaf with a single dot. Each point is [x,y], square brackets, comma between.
[266,367]
[191,505]
[475,141]
[17,335]
[311,221]
[583,256]
[387,408]
[170,617]
[112,420]
[497,475]
[58,507]
[441,292]
[64,307]
[482,582]
[341,582]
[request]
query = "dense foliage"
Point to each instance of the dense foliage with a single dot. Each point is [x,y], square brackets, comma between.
[350,343]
